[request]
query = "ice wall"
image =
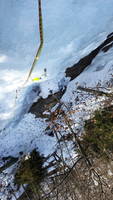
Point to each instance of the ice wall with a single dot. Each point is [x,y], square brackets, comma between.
[69,27]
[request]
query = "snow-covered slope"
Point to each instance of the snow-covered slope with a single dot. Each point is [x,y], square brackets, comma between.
[72,29]
[25,132]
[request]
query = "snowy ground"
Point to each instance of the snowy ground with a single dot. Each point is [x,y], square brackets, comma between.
[24,132]
[72,29]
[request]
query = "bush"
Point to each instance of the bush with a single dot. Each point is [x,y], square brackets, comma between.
[31,169]
[98,137]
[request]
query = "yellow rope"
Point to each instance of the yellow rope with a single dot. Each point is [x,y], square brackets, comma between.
[41,41]
[38,51]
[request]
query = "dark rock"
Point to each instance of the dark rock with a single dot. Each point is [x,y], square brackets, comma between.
[79,67]
[46,104]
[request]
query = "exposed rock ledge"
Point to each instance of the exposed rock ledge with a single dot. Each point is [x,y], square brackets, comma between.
[78,68]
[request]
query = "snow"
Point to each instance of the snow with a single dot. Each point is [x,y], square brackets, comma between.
[25,137]
[62,46]
[71,30]
[98,73]
[25,132]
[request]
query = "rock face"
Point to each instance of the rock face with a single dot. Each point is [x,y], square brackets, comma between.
[78,68]
[46,104]
[72,72]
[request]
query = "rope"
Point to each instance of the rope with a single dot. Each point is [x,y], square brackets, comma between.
[37,54]
[41,41]
[38,51]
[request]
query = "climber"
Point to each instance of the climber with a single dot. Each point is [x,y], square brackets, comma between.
[36,79]
[39,78]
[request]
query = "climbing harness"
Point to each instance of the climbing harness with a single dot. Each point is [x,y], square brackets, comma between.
[41,41]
